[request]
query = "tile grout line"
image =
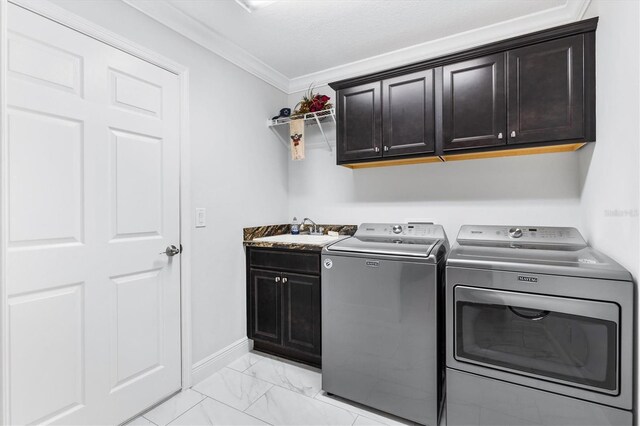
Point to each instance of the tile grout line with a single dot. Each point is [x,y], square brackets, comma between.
[153,423]
[188,409]
[240,411]
[183,413]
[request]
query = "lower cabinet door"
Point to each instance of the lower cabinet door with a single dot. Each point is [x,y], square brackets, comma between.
[301,310]
[264,306]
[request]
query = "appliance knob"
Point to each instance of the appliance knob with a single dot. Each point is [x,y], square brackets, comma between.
[515,232]
[397,229]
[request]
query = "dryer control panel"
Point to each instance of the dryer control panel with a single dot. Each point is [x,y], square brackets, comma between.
[544,235]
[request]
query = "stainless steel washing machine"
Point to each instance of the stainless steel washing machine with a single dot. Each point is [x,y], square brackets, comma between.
[382,306]
[539,330]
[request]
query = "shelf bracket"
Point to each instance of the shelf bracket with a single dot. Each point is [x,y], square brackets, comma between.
[322,131]
[284,142]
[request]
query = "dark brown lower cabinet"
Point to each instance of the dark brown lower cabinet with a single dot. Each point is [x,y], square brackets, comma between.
[265,295]
[301,313]
[283,307]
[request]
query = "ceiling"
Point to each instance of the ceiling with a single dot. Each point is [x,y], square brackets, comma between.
[299,41]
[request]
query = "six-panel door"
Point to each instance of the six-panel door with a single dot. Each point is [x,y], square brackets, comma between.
[301,312]
[265,311]
[474,103]
[359,123]
[546,91]
[93,305]
[408,114]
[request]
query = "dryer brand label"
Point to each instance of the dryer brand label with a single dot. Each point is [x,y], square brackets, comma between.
[527,279]
[372,263]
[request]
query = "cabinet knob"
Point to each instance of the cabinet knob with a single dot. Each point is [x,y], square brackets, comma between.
[386,148]
[376,149]
[284,280]
[277,279]
[500,135]
[513,133]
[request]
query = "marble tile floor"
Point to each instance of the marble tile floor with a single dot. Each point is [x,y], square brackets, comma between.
[260,389]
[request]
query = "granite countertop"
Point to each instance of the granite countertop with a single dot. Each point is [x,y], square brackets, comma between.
[250,234]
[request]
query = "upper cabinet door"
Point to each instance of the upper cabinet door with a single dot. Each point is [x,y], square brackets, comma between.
[474,103]
[359,123]
[546,91]
[408,114]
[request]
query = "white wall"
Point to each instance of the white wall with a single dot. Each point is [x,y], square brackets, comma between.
[239,170]
[530,190]
[609,169]
[610,182]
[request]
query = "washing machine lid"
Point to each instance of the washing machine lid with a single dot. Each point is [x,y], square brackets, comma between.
[404,239]
[542,250]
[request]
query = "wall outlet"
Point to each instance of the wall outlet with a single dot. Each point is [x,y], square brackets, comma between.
[201,217]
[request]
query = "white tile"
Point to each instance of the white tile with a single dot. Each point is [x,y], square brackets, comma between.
[364,421]
[140,421]
[169,410]
[283,407]
[296,377]
[246,361]
[363,410]
[233,388]
[210,412]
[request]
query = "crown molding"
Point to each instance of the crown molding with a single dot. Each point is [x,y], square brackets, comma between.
[571,11]
[175,19]
[168,15]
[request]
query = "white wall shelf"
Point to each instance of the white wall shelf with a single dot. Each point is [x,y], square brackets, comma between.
[309,118]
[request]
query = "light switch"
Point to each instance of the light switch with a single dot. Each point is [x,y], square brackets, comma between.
[201,217]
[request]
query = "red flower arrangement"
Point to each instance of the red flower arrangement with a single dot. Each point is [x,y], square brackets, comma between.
[312,102]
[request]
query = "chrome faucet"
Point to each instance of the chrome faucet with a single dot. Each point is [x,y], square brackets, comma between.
[314,229]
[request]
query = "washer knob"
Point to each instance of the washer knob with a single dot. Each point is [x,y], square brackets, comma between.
[397,229]
[515,232]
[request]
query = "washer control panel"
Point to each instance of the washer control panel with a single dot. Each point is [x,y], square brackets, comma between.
[522,234]
[415,230]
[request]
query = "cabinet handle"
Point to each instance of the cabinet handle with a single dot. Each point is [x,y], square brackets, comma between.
[386,148]
[376,149]
[277,279]
[500,135]
[284,280]
[513,133]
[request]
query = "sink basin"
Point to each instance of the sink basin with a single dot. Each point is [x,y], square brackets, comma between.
[301,239]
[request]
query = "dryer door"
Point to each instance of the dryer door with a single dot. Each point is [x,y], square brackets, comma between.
[564,340]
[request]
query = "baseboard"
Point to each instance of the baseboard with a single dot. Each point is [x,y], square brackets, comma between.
[216,361]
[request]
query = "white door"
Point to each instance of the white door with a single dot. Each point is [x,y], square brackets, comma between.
[93,307]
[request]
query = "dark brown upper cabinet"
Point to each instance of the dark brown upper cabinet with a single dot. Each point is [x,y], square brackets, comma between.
[474,103]
[360,122]
[535,91]
[408,120]
[546,91]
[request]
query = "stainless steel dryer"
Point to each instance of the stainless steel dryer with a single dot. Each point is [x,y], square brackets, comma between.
[382,295]
[540,330]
